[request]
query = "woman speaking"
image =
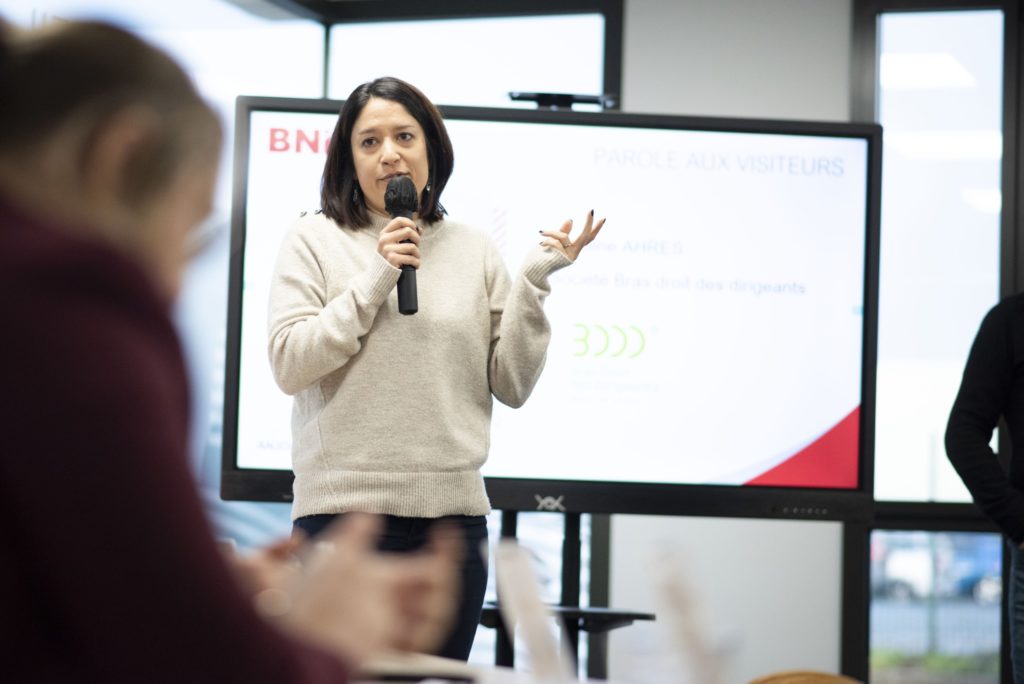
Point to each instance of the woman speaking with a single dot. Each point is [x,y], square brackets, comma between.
[392,412]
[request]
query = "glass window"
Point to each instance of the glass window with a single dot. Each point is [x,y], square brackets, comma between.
[473,61]
[935,607]
[940,105]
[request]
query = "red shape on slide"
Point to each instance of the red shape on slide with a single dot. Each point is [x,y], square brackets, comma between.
[829,461]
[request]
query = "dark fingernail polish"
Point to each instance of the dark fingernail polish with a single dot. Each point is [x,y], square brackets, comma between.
[591,212]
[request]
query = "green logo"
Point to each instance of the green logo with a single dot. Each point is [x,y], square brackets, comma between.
[616,341]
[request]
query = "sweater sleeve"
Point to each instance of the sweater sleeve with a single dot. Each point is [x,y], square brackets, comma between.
[520,331]
[125,583]
[312,333]
[985,392]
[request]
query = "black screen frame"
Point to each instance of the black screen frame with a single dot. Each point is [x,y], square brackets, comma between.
[582,496]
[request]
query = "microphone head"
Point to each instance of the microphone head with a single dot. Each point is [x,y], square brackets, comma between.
[400,197]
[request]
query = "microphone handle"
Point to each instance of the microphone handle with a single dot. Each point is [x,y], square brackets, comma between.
[407,301]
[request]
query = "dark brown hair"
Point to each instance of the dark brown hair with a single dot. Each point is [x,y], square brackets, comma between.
[340,198]
[84,73]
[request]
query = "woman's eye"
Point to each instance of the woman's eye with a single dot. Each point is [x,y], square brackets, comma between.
[405,136]
[368,142]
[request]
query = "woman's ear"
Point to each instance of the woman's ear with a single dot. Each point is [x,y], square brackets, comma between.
[108,159]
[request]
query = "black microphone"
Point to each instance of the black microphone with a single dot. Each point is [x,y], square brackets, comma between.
[400,200]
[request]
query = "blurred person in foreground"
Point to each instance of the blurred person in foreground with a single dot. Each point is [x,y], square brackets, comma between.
[992,389]
[111,574]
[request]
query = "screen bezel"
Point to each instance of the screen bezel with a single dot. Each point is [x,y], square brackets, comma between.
[582,496]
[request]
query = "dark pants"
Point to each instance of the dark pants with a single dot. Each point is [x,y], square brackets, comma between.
[402,535]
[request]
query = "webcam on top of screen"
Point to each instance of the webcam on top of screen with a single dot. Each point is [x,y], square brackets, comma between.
[564,100]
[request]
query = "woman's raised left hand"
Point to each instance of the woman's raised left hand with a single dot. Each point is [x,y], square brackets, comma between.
[563,241]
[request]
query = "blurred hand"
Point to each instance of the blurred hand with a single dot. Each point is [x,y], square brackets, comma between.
[427,588]
[356,602]
[272,568]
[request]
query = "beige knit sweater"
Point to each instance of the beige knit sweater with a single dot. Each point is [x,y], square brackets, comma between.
[392,413]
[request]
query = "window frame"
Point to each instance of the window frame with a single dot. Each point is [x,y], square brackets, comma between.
[329,13]
[924,515]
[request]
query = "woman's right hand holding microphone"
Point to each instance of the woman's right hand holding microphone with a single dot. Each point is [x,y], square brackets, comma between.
[399,243]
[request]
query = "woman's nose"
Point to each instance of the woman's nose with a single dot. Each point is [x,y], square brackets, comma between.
[389,153]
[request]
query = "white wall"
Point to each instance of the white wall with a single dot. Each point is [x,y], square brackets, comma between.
[749,58]
[768,591]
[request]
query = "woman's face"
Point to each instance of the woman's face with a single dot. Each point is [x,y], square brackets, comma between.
[387,141]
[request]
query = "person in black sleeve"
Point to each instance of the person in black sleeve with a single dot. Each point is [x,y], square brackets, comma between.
[993,388]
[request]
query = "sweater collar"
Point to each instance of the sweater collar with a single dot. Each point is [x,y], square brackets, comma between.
[377,223]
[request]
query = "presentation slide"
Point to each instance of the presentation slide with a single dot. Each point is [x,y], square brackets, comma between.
[712,334]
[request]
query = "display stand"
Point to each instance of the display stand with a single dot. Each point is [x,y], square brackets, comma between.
[596,621]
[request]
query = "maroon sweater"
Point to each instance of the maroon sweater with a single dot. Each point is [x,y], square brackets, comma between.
[108,567]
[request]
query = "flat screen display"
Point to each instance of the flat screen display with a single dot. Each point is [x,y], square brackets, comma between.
[717,337]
